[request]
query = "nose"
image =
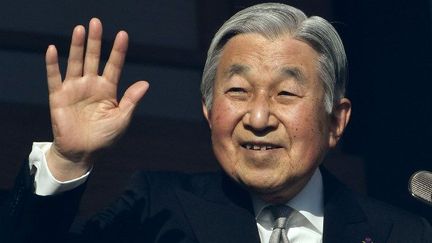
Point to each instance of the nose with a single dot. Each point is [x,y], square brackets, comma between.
[260,115]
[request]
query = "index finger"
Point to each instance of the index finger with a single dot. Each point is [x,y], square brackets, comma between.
[115,62]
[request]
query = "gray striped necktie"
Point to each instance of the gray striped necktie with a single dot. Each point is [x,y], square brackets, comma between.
[281,215]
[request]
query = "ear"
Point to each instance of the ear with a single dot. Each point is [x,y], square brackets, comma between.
[339,120]
[206,112]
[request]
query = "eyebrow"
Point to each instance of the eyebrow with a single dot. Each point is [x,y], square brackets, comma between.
[286,72]
[293,72]
[236,69]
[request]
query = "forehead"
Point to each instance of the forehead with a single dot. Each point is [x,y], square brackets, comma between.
[253,52]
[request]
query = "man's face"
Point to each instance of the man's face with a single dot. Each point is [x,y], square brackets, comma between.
[269,126]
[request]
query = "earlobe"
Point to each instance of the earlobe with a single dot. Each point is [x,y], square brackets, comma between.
[206,112]
[340,118]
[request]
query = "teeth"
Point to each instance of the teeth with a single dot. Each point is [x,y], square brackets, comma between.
[258,147]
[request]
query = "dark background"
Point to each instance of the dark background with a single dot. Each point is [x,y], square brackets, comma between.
[389,47]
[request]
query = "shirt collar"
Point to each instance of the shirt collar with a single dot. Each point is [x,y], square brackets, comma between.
[308,202]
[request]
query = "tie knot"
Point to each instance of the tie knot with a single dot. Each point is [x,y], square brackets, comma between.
[281,214]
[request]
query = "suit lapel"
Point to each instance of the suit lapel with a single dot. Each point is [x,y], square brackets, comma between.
[223,214]
[344,219]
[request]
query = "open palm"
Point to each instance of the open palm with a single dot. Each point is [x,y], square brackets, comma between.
[85,113]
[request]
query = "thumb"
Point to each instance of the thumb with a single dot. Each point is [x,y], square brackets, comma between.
[132,96]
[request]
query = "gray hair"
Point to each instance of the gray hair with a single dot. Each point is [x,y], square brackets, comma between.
[273,20]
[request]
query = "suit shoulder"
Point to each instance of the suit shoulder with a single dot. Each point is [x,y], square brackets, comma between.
[376,208]
[169,180]
[402,221]
[386,222]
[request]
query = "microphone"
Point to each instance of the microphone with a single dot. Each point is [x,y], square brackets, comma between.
[420,186]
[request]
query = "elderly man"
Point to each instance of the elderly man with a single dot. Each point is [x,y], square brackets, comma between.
[273,95]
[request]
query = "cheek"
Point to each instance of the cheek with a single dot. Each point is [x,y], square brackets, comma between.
[307,127]
[224,117]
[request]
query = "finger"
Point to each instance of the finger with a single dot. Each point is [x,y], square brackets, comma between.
[115,62]
[75,60]
[52,68]
[92,56]
[132,96]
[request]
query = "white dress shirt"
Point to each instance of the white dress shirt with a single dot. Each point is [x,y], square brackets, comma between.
[45,183]
[306,223]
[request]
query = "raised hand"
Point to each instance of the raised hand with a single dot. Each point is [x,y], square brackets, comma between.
[85,113]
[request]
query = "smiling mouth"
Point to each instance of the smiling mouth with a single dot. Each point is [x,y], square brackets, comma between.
[260,147]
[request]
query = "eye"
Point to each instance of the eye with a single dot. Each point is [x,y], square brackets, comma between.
[286,93]
[237,93]
[236,90]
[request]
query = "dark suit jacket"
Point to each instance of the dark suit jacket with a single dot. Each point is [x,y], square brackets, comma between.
[175,207]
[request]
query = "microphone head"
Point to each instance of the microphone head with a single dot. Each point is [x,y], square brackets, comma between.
[420,186]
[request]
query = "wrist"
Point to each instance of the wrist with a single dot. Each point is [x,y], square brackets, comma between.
[64,169]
